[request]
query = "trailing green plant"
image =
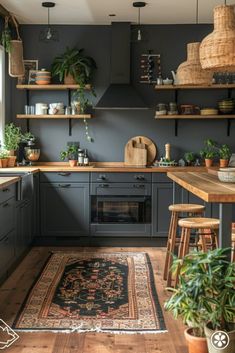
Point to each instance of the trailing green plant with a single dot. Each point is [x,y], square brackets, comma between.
[189,157]
[3,154]
[209,151]
[12,137]
[75,63]
[71,153]
[6,36]
[224,152]
[206,290]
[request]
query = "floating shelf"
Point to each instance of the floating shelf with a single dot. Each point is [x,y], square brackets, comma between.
[59,87]
[196,117]
[52,117]
[184,87]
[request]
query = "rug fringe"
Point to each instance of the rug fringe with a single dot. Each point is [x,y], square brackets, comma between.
[94,331]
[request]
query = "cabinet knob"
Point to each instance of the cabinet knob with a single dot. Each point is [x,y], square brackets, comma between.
[101,177]
[139,177]
[64,174]
[104,185]
[5,204]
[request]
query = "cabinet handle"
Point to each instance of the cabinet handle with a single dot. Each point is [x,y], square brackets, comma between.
[139,186]
[103,185]
[101,178]
[64,174]
[5,190]
[64,185]
[5,204]
[6,239]
[139,177]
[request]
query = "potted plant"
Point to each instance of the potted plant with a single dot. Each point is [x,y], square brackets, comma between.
[224,154]
[205,293]
[209,152]
[73,66]
[71,153]
[6,37]
[12,138]
[3,159]
[189,158]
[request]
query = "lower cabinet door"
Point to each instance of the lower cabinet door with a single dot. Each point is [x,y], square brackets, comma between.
[162,197]
[64,209]
[23,226]
[7,252]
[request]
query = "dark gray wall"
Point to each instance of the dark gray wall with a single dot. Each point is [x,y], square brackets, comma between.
[112,129]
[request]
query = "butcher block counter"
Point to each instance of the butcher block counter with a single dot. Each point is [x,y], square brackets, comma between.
[7,181]
[208,187]
[98,167]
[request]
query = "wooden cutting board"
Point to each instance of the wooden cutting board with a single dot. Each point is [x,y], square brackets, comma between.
[135,151]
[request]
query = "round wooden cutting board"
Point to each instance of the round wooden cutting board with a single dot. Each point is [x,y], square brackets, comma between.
[151,148]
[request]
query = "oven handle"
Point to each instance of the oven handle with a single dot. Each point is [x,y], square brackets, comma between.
[120,199]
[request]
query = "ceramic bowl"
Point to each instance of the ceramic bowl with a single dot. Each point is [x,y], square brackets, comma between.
[226,177]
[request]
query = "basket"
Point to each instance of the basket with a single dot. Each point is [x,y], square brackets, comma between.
[16,62]
[217,49]
[190,72]
[226,177]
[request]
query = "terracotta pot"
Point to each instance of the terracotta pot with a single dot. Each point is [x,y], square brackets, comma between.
[11,161]
[223,163]
[208,163]
[229,349]
[195,344]
[3,163]
[73,162]
[69,80]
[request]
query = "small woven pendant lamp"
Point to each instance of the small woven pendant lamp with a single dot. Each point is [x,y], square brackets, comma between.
[217,50]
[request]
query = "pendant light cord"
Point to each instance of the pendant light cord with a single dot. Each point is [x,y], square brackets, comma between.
[139,16]
[197,10]
[48,17]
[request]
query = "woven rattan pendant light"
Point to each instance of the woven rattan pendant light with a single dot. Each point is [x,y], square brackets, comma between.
[217,50]
[190,72]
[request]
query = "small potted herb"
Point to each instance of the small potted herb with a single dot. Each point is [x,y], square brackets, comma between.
[189,158]
[71,153]
[209,152]
[12,139]
[224,154]
[3,159]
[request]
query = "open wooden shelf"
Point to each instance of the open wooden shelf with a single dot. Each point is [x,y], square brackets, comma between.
[184,87]
[196,117]
[80,116]
[59,87]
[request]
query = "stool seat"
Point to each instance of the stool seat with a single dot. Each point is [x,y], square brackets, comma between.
[187,207]
[199,223]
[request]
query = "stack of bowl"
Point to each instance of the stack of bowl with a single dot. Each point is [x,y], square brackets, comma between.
[226,106]
[43,77]
[227,175]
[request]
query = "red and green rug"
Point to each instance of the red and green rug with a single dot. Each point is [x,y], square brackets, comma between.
[93,292]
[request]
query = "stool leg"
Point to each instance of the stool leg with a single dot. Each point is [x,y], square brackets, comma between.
[216,238]
[186,242]
[172,249]
[168,247]
[203,240]
[180,253]
[233,252]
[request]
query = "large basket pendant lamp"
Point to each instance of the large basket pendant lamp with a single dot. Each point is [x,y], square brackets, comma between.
[217,50]
[190,72]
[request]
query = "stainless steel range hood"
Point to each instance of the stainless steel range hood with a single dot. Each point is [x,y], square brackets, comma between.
[120,94]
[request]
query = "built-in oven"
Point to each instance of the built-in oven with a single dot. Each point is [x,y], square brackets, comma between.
[121,209]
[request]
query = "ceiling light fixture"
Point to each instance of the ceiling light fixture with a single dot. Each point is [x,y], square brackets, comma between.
[49,34]
[139,5]
[217,49]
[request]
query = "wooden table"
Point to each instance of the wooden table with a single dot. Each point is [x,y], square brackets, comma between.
[207,187]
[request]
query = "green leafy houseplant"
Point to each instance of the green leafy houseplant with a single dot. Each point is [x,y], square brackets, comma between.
[209,152]
[73,62]
[189,157]
[12,137]
[224,155]
[6,36]
[3,159]
[71,153]
[206,291]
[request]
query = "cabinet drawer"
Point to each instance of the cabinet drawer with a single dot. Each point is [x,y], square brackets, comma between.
[121,177]
[72,177]
[161,178]
[6,217]
[7,193]
[6,252]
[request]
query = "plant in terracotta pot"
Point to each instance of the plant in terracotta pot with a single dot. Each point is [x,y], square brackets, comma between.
[12,139]
[71,153]
[3,159]
[73,66]
[189,158]
[205,294]
[209,152]
[224,155]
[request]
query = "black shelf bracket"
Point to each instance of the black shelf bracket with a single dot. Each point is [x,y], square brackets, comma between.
[228,126]
[70,127]
[27,102]
[176,127]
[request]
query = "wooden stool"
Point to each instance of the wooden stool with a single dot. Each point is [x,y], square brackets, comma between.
[198,224]
[176,211]
[233,247]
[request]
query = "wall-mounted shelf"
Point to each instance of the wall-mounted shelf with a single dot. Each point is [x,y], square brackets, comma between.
[52,117]
[51,87]
[185,87]
[228,117]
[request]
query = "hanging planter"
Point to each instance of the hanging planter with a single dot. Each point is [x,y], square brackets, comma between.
[218,48]
[190,72]
[16,63]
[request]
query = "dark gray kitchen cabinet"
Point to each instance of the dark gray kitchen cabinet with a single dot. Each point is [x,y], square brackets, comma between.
[7,253]
[64,209]
[162,197]
[24,228]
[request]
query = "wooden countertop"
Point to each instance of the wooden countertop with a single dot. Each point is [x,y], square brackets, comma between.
[7,181]
[205,185]
[97,167]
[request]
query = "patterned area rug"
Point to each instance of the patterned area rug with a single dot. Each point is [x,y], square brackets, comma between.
[93,292]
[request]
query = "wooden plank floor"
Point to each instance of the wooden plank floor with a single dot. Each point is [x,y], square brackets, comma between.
[14,290]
